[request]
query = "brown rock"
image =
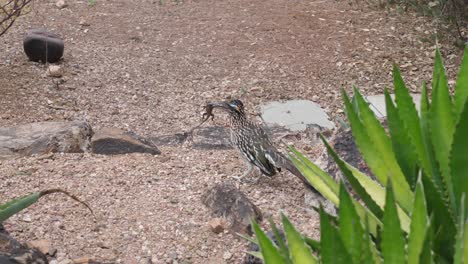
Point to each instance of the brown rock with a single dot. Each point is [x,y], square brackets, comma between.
[45,137]
[116,141]
[42,245]
[218,225]
[83,260]
[226,201]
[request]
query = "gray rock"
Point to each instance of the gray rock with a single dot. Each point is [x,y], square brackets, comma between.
[111,141]
[41,45]
[226,201]
[45,137]
[295,115]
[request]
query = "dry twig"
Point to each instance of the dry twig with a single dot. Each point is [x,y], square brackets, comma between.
[10,10]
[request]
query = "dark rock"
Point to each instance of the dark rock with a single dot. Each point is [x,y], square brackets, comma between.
[41,45]
[45,137]
[112,141]
[249,259]
[13,252]
[225,200]
[344,145]
[212,138]
[217,225]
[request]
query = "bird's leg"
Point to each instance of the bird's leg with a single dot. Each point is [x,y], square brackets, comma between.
[247,172]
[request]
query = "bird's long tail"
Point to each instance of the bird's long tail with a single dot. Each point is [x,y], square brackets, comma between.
[282,161]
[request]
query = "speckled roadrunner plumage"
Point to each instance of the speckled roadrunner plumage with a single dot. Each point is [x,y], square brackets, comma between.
[254,144]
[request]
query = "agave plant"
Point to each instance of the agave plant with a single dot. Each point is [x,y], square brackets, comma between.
[14,206]
[415,211]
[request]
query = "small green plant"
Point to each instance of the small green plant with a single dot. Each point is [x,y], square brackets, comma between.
[14,206]
[416,209]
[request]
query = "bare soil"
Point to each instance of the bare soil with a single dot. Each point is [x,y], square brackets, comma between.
[149,66]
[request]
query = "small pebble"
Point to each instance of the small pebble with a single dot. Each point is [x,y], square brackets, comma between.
[84,23]
[227,255]
[61,4]
[54,71]
[26,218]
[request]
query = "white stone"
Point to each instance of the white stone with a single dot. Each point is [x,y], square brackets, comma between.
[295,115]
[377,103]
[61,4]
[227,255]
[54,71]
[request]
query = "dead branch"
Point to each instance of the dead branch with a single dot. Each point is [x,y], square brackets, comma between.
[10,10]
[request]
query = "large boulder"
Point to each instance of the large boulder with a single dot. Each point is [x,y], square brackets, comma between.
[42,45]
[111,141]
[226,201]
[45,137]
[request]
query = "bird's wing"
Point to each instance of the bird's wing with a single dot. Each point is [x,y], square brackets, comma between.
[256,155]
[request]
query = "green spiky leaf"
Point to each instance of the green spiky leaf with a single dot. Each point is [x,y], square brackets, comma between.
[299,250]
[461,86]
[409,117]
[321,181]
[16,205]
[419,226]
[313,244]
[332,249]
[393,242]
[404,152]
[282,246]
[461,251]
[383,146]
[442,125]
[269,252]
[350,227]
[364,142]
[459,159]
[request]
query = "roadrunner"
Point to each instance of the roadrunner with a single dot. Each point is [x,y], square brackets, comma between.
[253,142]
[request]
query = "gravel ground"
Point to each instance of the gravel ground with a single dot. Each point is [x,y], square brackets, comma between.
[149,67]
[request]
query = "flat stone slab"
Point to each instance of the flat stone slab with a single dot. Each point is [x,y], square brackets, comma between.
[212,137]
[377,103]
[45,137]
[295,115]
[113,141]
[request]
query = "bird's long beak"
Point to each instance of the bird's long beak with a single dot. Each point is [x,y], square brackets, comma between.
[223,105]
